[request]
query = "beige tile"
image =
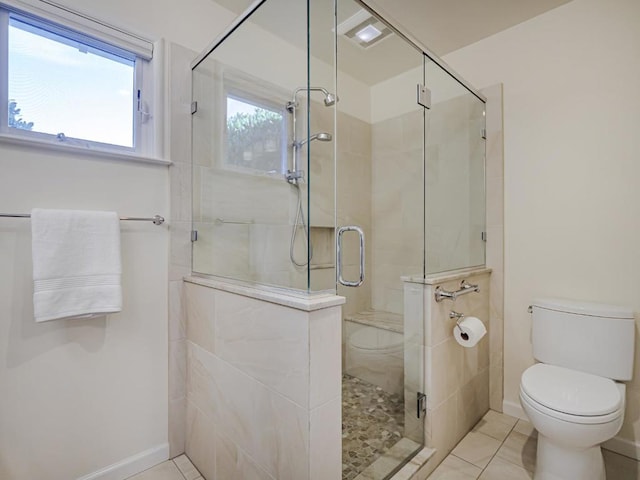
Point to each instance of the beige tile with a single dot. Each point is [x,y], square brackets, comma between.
[520,450]
[325,362]
[496,381]
[200,307]
[177,313]
[499,469]
[325,440]
[619,467]
[186,467]
[442,426]
[268,342]
[177,369]
[199,443]
[390,460]
[234,464]
[272,429]
[180,248]
[443,382]
[417,468]
[526,428]
[496,425]
[477,448]
[473,402]
[165,471]
[454,468]
[177,426]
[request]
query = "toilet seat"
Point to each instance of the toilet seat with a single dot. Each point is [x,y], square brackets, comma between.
[572,396]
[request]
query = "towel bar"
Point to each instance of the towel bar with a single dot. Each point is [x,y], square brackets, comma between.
[465,287]
[156,219]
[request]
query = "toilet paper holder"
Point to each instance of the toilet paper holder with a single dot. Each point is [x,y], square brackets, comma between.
[459,316]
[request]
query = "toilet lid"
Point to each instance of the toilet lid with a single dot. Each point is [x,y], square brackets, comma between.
[570,391]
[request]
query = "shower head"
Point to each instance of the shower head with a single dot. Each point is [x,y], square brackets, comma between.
[321,136]
[329,98]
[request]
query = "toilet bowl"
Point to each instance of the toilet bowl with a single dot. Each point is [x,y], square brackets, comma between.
[573,412]
[574,397]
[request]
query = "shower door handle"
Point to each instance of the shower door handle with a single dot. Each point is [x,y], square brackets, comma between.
[341,231]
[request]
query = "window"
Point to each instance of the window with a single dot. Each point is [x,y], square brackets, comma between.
[68,86]
[256,134]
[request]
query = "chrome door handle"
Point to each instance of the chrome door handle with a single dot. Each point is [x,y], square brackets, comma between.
[341,231]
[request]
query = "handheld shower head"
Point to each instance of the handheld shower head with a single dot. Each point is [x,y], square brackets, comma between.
[321,136]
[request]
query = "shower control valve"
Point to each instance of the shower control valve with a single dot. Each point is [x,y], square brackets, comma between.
[292,176]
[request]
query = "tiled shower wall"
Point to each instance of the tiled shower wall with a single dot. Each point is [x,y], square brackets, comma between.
[263,384]
[397,207]
[495,238]
[456,378]
[179,126]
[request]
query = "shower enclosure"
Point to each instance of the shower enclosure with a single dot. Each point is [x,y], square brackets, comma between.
[332,154]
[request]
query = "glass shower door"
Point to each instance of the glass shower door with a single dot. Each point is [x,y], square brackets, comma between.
[380,194]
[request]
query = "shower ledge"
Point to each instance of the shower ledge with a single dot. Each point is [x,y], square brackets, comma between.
[436,278]
[280,296]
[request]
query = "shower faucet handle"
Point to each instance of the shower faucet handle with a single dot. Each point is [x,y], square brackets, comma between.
[293,176]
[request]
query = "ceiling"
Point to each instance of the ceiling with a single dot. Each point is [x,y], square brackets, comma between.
[447,25]
[441,26]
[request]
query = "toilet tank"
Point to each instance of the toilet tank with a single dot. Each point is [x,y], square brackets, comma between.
[589,337]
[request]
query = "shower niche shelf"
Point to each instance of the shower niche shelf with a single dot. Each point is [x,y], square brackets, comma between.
[323,244]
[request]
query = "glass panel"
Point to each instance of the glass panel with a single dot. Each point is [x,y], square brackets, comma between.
[380,187]
[255,136]
[60,86]
[455,198]
[269,216]
[319,164]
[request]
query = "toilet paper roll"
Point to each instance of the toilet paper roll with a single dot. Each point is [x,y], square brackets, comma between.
[469,331]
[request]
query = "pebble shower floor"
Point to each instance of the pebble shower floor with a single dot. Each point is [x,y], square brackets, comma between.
[372,422]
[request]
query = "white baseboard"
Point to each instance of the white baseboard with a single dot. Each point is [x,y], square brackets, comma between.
[132,465]
[625,447]
[514,409]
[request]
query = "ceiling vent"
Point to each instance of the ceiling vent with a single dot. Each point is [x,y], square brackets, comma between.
[364,30]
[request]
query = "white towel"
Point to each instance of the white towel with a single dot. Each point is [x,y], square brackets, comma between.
[76,263]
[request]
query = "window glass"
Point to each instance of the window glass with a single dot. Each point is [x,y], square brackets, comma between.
[255,136]
[63,87]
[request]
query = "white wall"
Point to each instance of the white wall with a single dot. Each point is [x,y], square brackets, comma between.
[80,395]
[572,165]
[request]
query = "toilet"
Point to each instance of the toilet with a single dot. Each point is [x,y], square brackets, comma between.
[574,397]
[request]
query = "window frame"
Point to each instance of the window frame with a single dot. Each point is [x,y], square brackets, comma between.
[243,86]
[89,32]
[239,92]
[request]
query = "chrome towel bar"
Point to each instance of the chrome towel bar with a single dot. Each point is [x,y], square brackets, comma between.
[156,219]
[465,287]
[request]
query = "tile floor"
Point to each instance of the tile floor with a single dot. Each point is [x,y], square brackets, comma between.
[180,468]
[372,422]
[501,447]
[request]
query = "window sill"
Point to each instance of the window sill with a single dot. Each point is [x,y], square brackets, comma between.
[79,150]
